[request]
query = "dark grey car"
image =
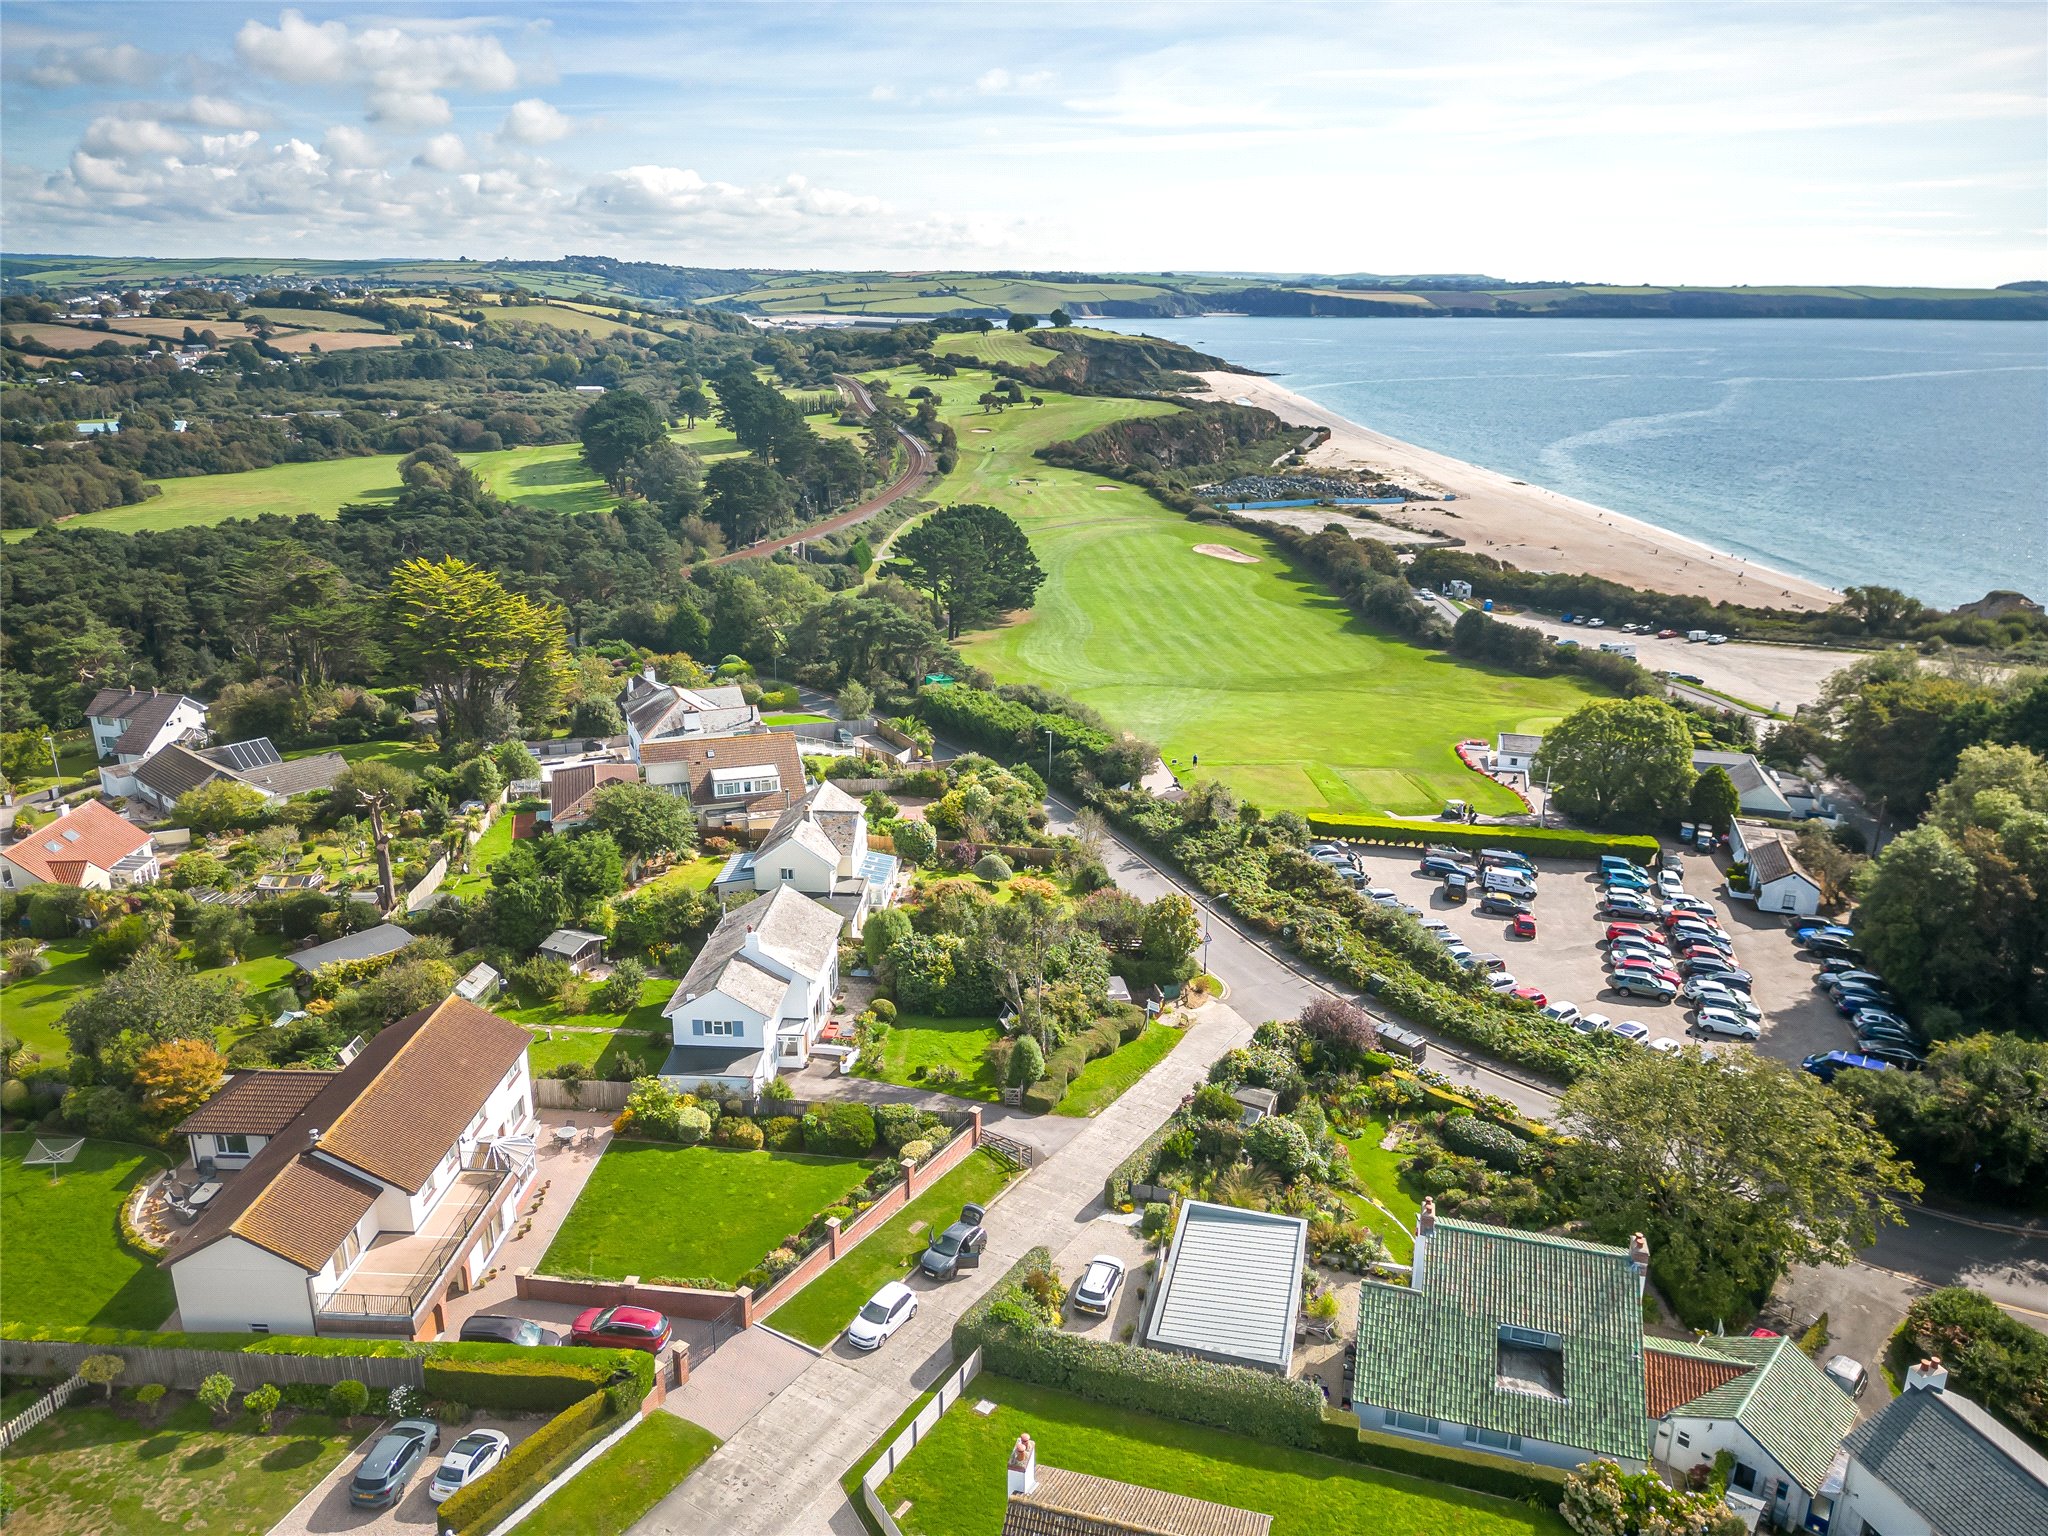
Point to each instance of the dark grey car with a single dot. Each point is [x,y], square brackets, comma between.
[958,1247]
[382,1476]
[493,1328]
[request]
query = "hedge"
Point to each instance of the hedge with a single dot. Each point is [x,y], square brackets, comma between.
[846,1129]
[1116,1189]
[538,1383]
[1340,1435]
[605,1360]
[1555,842]
[525,1469]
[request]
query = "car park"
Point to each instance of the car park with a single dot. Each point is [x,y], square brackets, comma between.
[1564,1013]
[958,1248]
[1646,984]
[1629,1029]
[1523,926]
[468,1459]
[620,1328]
[886,1311]
[381,1476]
[1724,1021]
[492,1328]
[1096,1290]
[1455,887]
[1825,1064]
[1503,904]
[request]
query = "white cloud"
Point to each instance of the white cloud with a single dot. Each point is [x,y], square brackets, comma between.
[351,148]
[647,199]
[402,69]
[882,93]
[130,137]
[1000,82]
[213,112]
[533,121]
[444,152]
[993,81]
[58,67]
[402,109]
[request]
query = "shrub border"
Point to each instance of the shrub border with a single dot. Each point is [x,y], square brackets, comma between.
[1555,841]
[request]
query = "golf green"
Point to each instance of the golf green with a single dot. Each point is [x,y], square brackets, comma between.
[1251,667]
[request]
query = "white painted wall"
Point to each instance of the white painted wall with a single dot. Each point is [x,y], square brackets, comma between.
[754,1025]
[808,872]
[215,1147]
[1789,893]
[1709,1437]
[1866,1500]
[233,1286]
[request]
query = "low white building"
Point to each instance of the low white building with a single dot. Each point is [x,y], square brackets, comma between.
[131,724]
[1515,752]
[91,846]
[1777,881]
[1931,1463]
[1230,1287]
[1756,787]
[386,1195]
[757,995]
[819,846]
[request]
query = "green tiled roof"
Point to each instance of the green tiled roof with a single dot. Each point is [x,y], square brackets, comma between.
[1434,1351]
[1786,1402]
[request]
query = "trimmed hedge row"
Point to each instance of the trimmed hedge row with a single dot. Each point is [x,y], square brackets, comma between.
[603,1361]
[525,1469]
[539,1382]
[1555,842]
[1276,1409]
[1339,1435]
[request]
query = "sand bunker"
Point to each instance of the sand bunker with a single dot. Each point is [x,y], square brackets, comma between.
[984,431]
[1225,552]
[1105,487]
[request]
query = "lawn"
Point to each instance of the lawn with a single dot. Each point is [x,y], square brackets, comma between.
[31,1007]
[692,875]
[796,719]
[818,1312]
[643,1017]
[1379,1173]
[65,1262]
[607,1497]
[91,1469]
[488,849]
[399,754]
[954,1479]
[1278,689]
[1103,1081]
[687,1215]
[917,1041]
[603,1054]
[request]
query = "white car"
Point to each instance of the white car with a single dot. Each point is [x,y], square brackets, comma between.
[1724,1021]
[1592,1023]
[467,1460]
[1096,1290]
[1502,981]
[1666,1047]
[1564,1013]
[1629,1029]
[1730,1001]
[1381,895]
[887,1310]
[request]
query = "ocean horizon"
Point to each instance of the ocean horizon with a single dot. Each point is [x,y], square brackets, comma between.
[1902,453]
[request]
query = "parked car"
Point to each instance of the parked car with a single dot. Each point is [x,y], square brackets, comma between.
[1831,944]
[1825,1064]
[1523,926]
[1805,928]
[1507,858]
[1503,904]
[1850,1002]
[1509,882]
[1659,969]
[1835,965]
[620,1328]
[1667,634]
[1724,1021]
[1626,880]
[1834,981]
[1689,933]
[1534,995]
[1627,907]
[1439,865]
[1096,1290]
[1381,895]
[1635,950]
[1610,861]
[1902,1057]
[1455,887]
[1879,1034]
[1678,905]
[887,1310]
[1882,1018]
[491,1328]
[467,1460]
[1564,1013]
[1636,930]
[1646,984]
[1732,1000]
[1584,1024]
[1629,1029]
[1666,1047]
[1502,981]
[958,1247]
[381,1476]
[1847,1373]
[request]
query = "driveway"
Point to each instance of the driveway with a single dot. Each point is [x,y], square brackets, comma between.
[327,1507]
[1117,1236]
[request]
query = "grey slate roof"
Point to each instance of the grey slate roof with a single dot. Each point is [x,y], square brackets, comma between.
[1787,1403]
[1961,1470]
[788,925]
[665,710]
[384,939]
[148,718]
[1743,769]
[1435,1351]
[1518,744]
[568,943]
[694,1061]
[1770,858]
[176,771]
[296,776]
[1231,1285]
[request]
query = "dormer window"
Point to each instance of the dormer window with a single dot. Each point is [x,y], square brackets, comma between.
[1530,1361]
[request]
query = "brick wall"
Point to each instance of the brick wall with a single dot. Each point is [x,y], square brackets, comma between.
[672,1300]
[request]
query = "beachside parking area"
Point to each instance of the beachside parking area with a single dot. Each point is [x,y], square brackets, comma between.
[1567,959]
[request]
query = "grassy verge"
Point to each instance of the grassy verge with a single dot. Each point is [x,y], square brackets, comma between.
[1379,1173]
[683,1214]
[818,1312]
[1103,1081]
[65,1261]
[94,1469]
[607,1497]
[954,1480]
[917,1043]
[849,1482]
[604,1054]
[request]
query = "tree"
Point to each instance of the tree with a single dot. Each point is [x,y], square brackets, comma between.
[1602,1500]
[589,868]
[1061,319]
[221,935]
[1618,761]
[1027,1063]
[1018,322]
[1821,855]
[619,424]
[102,1371]
[747,499]
[220,806]
[596,717]
[381,791]
[216,1392]
[1734,1166]
[643,821]
[1976,1121]
[1171,930]
[856,701]
[474,646]
[261,1404]
[914,842]
[692,404]
[1715,800]
[519,913]
[155,999]
[178,1076]
[974,561]
[620,991]
[347,1399]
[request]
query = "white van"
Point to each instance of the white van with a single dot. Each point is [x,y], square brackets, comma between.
[1511,882]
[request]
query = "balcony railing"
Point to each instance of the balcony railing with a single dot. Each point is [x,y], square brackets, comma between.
[428,1260]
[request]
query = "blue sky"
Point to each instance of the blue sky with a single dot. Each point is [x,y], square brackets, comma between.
[1708,143]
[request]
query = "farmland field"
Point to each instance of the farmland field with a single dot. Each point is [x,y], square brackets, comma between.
[1278,689]
[333,341]
[994,347]
[307,319]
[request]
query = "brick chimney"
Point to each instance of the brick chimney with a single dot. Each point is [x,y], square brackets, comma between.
[1928,1375]
[1024,1467]
[1425,1229]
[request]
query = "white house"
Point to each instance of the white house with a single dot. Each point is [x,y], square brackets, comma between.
[757,994]
[129,724]
[1777,882]
[1931,1463]
[819,846]
[178,769]
[1763,1401]
[387,1194]
[91,846]
[250,1108]
[658,711]
[1756,787]
[1515,752]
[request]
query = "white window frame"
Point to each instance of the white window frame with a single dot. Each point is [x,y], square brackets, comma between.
[717,1029]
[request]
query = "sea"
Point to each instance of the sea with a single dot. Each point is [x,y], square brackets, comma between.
[1900,453]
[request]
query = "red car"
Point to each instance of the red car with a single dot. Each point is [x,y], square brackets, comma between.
[1647,968]
[621,1328]
[1640,930]
[1523,927]
[1530,995]
[1667,634]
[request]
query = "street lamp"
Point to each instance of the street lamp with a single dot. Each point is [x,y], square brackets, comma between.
[1048,755]
[56,773]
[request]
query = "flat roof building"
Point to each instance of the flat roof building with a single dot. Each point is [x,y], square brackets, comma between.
[1230,1288]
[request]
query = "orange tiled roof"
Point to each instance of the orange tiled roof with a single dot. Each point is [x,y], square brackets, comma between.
[91,835]
[1673,1380]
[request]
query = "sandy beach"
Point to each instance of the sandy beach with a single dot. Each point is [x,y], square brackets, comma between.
[1526,525]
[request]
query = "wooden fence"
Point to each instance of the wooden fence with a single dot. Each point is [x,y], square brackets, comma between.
[186,1368]
[951,1390]
[40,1410]
[590,1093]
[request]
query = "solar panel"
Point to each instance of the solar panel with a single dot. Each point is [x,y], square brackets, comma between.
[242,756]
